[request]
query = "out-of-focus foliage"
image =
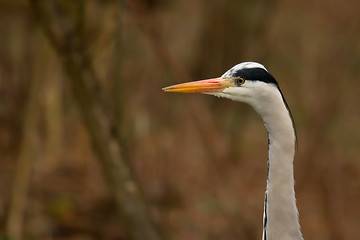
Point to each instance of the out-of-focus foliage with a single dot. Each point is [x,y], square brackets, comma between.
[200,161]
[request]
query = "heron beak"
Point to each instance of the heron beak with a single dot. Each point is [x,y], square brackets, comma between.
[202,86]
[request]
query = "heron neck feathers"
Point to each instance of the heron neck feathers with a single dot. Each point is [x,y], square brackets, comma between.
[281,212]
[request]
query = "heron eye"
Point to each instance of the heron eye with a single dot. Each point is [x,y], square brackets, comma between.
[240,80]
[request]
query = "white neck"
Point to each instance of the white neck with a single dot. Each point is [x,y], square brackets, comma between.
[280,212]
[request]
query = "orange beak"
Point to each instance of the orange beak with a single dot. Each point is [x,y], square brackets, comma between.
[202,86]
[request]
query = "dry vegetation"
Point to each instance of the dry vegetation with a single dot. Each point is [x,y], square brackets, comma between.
[80,89]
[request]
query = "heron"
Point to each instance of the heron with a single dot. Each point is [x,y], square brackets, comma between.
[251,83]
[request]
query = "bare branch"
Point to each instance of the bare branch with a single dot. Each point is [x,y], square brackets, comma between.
[131,205]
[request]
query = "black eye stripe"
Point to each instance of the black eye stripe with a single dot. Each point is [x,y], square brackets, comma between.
[253,74]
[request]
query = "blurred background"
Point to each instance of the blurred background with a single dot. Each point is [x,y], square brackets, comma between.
[89,142]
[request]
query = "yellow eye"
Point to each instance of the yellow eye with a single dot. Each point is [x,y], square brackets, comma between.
[240,80]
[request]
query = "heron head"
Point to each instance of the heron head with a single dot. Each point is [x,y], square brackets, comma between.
[248,82]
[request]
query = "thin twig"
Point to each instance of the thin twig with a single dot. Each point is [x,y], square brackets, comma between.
[24,163]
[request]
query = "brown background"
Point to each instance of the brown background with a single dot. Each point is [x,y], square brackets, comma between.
[200,160]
